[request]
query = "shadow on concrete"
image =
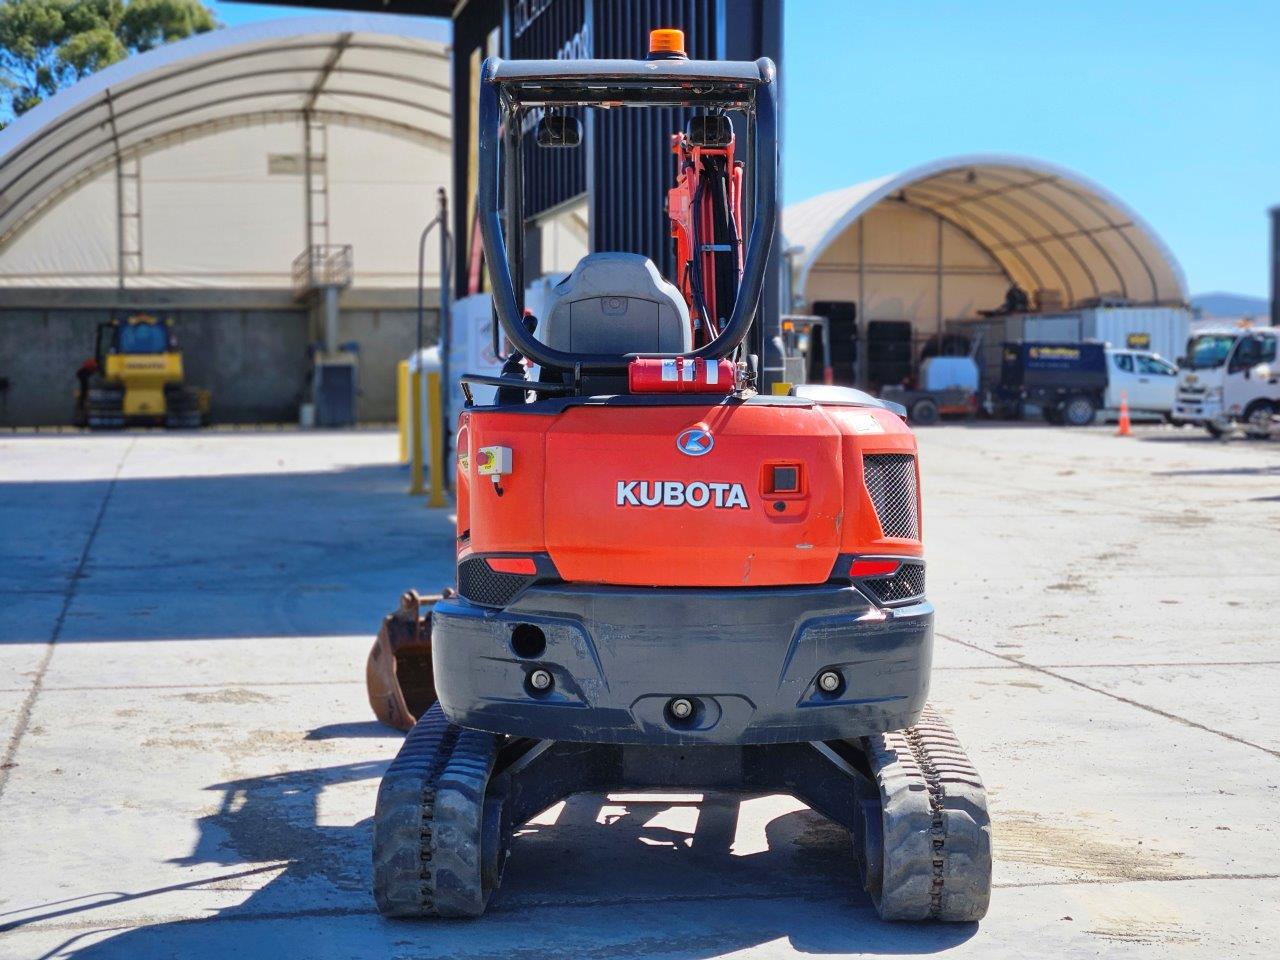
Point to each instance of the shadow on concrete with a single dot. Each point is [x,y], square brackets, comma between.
[361,728]
[177,558]
[608,878]
[982,423]
[1185,435]
[1035,423]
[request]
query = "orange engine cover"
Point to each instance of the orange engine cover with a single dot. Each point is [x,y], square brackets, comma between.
[713,494]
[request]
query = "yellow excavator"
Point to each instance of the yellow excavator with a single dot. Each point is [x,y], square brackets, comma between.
[135,378]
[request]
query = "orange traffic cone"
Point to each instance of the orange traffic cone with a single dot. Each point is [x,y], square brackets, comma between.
[1123,429]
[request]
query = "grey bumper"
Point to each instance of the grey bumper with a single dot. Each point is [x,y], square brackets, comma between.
[747,658]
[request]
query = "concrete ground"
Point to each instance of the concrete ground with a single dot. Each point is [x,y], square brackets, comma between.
[189,763]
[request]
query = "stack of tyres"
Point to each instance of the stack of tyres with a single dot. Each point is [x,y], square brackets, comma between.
[888,351]
[842,325]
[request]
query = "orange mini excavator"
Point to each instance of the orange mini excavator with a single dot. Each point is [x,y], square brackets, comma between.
[665,578]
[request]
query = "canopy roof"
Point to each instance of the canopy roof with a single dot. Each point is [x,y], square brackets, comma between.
[385,72]
[1047,227]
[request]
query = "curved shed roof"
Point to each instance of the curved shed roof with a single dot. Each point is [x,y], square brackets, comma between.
[1047,227]
[386,72]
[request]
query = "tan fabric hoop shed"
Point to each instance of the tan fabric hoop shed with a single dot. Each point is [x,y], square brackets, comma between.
[1046,227]
[382,72]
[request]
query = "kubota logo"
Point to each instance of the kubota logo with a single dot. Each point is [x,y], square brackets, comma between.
[674,493]
[695,441]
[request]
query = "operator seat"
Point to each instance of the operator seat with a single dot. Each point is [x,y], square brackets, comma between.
[616,303]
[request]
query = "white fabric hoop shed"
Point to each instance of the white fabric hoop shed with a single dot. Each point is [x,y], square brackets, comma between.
[1046,227]
[381,72]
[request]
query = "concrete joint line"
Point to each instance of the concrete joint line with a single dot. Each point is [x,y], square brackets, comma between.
[1115,696]
[1111,666]
[228,685]
[68,595]
[1099,881]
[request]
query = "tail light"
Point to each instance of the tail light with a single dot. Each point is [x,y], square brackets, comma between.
[519,565]
[891,581]
[863,567]
[495,581]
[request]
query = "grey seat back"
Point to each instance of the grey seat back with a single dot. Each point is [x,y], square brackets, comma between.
[616,303]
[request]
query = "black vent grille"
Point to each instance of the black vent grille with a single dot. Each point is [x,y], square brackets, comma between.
[891,482]
[906,584]
[479,583]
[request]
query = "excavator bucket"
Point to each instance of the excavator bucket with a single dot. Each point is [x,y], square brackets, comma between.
[398,674]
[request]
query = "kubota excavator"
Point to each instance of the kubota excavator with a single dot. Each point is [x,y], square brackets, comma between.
[665,578]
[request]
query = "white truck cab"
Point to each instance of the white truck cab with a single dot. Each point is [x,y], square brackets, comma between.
[1148,380]
[1229,375]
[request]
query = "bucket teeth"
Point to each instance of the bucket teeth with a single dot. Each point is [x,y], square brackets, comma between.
[932,858]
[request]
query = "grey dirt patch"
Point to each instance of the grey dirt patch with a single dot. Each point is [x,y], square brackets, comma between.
[1026,837]
[1187,518]
[1074,583]
[232,695]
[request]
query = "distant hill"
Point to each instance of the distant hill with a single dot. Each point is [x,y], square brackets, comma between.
[1230,305]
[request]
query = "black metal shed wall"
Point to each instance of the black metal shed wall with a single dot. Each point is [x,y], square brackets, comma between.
[625,167]
[562,30]
[631,162]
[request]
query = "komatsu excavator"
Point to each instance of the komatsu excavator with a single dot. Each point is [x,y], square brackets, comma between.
[667,579]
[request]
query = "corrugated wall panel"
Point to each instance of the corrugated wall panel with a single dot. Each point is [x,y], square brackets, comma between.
[625,170]
[630,149]
[562,30]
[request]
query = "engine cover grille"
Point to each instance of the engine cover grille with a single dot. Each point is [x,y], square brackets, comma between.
[891,482]
[479,583]
[906,584]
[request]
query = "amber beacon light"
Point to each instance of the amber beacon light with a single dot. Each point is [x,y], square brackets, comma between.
[666,43]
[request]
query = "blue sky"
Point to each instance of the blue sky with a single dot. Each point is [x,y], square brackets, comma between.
[1174,106]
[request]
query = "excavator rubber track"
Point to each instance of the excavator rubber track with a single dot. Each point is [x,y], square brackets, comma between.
[439,844]
[912,800]
[182,408]
[105,408]
[927,842]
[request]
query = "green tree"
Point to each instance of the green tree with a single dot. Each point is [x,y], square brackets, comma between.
[46,45]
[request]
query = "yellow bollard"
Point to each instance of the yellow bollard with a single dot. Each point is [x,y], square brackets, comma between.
[402,408]
[415,434]
[436,428]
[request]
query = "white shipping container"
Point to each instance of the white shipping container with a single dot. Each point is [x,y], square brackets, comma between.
[1162,330]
